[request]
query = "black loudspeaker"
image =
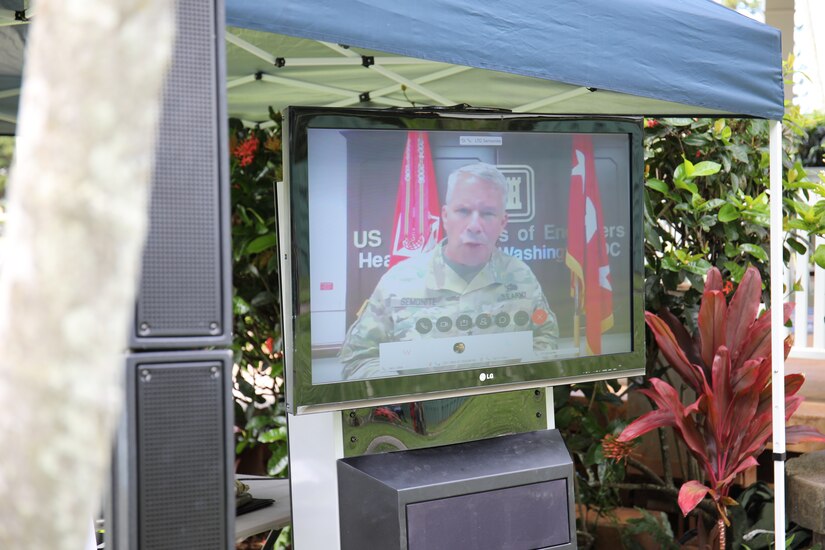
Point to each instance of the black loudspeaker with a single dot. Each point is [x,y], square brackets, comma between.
[185,295]
[172,481]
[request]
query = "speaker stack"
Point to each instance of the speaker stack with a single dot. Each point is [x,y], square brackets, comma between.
[172,482]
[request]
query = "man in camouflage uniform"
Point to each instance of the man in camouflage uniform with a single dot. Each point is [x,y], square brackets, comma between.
[464,286]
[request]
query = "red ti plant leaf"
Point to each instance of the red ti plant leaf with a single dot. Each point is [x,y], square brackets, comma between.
[756,343]
[671,412]
[748,462]
[793,383]
[690,495]
[741,414]
[754,373]
[791,404]
[658,418]
[714,280]
[801,434]
[691,374]
[759,430]
[713,315]
[743,308]
[683,338]
[722,390]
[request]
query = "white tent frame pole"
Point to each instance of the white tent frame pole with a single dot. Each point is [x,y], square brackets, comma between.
[13,23]
[306,85]
[383,71]
[564,96]
[819,305]
[7,18]
[386,73]
[28,13]
[352,96]
[777,333]
[240,81]
[389,101]
[456,69]
[272,79]
[351,61]
[251,48]
[9,93]
[320,61]
[8,118]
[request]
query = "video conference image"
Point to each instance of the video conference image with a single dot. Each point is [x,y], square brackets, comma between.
[435,251]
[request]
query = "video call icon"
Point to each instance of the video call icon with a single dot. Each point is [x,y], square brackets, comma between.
[464,322]
[444,323]
[423,326]
[482,321]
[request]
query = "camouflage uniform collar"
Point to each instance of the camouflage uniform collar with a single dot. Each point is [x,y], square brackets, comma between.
[441,276]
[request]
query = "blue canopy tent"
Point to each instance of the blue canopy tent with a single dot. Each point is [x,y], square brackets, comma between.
[637,57]
[621,57]
[643,57]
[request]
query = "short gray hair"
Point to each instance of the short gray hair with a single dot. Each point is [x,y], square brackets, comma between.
[482,171]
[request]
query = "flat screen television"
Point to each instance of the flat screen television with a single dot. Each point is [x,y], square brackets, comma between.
[429,253]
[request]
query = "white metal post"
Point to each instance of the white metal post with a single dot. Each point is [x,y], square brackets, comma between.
[819,302]
[777,333]
[551,407]
[315,444]
[800,322]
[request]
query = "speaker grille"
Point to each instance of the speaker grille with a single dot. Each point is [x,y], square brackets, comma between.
[181,466]
[182,291]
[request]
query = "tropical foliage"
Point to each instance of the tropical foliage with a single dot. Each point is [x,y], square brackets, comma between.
[707,204]
[727,363]
[260,418]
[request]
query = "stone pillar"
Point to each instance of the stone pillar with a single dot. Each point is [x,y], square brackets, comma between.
[806,492]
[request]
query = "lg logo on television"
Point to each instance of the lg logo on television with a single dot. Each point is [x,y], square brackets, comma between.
[484,376]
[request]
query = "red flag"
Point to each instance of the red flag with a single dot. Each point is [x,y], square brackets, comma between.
[417,226]
[586,247]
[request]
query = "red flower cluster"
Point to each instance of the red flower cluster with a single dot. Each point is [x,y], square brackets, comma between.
[615,449]
[268,346]
[727,288]
[245,151]
[651,123]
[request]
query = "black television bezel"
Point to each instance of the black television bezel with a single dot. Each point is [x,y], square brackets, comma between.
[293,228]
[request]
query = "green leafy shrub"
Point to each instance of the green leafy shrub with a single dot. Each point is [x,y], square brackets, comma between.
[707,204]
[260,418]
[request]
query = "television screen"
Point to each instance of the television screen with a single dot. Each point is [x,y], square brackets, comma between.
[434,253]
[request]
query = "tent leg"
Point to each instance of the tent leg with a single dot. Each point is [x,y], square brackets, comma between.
[777,333]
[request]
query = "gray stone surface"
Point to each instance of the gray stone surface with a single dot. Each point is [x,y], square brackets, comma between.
[806,490]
